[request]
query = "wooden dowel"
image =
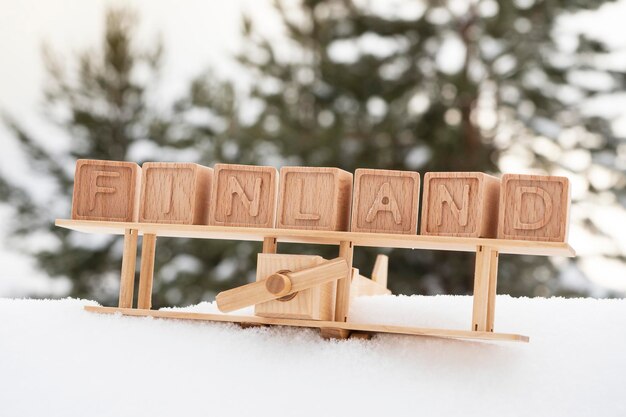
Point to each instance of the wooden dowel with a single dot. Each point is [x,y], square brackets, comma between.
[129,261]
[342,304]
[482,273]
[493,283]
[270,245]
[148,247]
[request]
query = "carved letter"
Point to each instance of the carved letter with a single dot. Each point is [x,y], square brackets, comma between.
[460,214]
[547,201]
[300,215]
[96,189]
[385,201]
[251,205]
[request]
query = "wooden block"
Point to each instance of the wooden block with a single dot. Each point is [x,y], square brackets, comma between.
[534,207]
[175,193]
[316,303]
[106,190]
[462,204]
[385,201]
[314,198]
[243,195]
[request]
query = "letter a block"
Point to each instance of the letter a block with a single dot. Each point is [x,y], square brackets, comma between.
[106,190]
[385,201]
[534,207]
[243,195]
[176,193]
[314,198]
[463,204]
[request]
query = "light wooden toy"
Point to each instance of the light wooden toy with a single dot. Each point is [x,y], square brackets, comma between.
[385,201]
[460,204]
[461,212]
[314,198]
[175,193]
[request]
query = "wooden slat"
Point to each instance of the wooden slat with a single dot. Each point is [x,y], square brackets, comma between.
[270,245]
[493,283]
[447,243]
[359,327]
[342,305]
[146,274]
[482,274]
[129,261]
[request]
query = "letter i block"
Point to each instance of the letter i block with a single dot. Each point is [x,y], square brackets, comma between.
[176,193]
[106,190]
[534,207]
[385,201]
[314,198]
[243,195]
[463,204]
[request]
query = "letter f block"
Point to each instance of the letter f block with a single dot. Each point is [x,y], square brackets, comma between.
[243,195]
[462,204]
[534,207]
[106,191]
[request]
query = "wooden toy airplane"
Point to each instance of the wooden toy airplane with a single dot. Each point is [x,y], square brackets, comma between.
[462,211]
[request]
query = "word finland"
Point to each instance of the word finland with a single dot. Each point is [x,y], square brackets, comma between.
[463,204]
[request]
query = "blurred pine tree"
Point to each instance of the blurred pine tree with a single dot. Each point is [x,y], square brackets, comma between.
[442,86]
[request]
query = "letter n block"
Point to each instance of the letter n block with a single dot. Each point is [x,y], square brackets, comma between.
[534,207]
[463,204]
[243,195]
[106,190]
[385,201]
[176,193]
[314,198]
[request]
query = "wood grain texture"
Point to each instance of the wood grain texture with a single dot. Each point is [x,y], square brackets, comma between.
[534,207]
[385,201]
[146,274]
[379,272]
[314,198]
[342,304]
[362,286]
[129,263]
[296,281]
[319,237]
[319,324]
[175,193]
[483,308]
[106,190]
[463,204]
[244,196]
[313,303]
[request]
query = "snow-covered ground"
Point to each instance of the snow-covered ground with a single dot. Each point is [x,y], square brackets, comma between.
[58,360]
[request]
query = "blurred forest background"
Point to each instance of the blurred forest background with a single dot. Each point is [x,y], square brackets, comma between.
[482,85]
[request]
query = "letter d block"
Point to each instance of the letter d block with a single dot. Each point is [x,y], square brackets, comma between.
[314,198]
[176,193]
[462,204]
[385,201]
[106,190]
[243,195]
[534,207]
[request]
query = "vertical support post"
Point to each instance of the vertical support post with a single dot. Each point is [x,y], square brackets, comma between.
[485,277]
[148,246]
[129,260]
[342,303]
[493,284]
[270,245]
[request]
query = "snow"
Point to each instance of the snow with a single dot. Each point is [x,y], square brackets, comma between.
[58,360]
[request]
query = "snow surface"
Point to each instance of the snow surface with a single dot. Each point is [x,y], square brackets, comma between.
[58,360]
